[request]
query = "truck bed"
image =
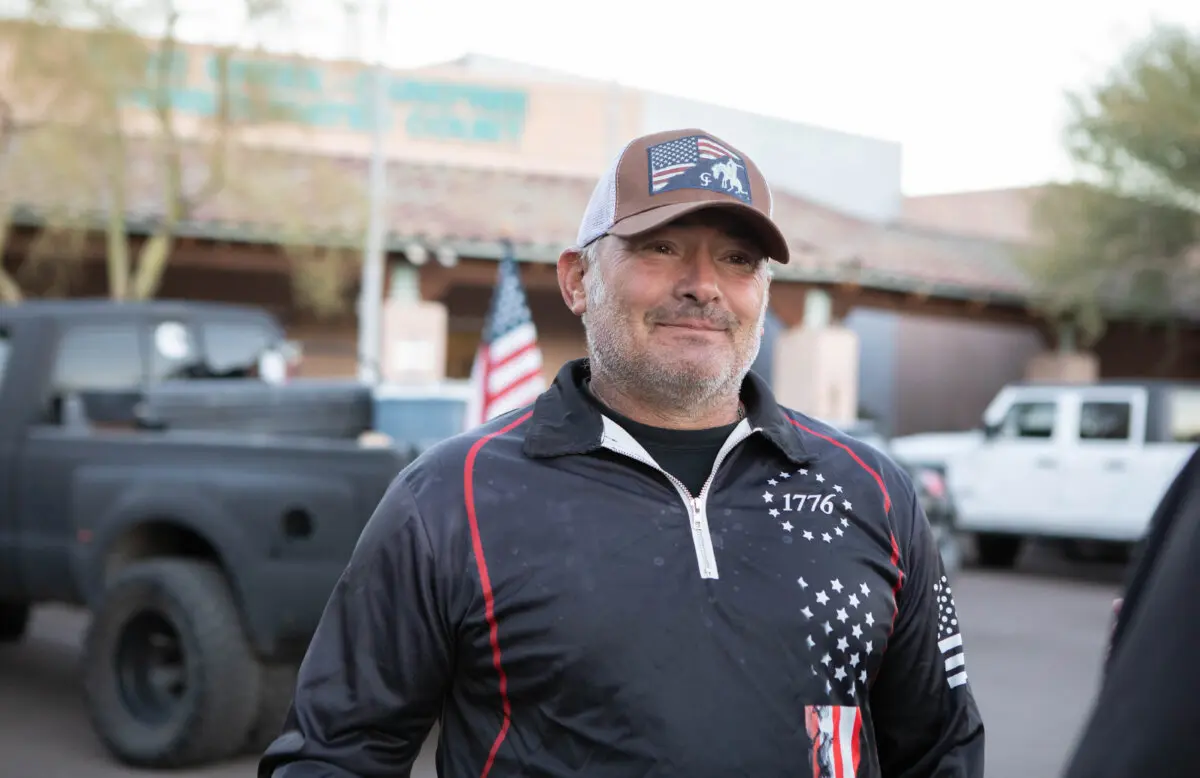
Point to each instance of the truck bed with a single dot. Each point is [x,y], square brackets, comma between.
[308,408]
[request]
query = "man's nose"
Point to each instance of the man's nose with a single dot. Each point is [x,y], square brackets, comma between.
[700,280]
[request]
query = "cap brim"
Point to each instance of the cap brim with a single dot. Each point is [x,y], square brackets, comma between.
[767,231]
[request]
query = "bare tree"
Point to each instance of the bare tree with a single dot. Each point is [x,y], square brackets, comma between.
[32,152]
[10,128]
[78,65]
[321,239]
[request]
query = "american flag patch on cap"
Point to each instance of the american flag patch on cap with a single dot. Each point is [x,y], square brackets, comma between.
[697,162]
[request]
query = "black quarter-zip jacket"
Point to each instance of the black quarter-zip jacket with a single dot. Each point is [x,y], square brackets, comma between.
[563,607]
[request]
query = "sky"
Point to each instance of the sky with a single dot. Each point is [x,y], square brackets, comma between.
[973,91]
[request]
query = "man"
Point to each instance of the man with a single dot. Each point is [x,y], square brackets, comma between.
[1143,721]
[655,570]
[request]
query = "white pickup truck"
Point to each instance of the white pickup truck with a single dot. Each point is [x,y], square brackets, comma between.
[1067,462]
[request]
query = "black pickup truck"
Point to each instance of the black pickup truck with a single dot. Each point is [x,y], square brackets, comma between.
[205,553]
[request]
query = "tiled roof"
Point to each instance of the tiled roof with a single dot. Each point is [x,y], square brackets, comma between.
[993,214]
[274,191]
[943,261]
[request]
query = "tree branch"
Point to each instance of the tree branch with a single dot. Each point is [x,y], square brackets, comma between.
[155,252]
[117,239]
[10,128]
[215,180]
[10,290]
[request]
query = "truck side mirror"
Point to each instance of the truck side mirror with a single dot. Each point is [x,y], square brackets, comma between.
[990,431]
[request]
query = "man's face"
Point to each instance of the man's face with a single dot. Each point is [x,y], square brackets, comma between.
[677,312]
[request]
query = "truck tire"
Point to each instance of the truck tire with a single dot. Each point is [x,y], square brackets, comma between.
[998,551]
[1102,551]
[277,685]
[14,618]
[169,677]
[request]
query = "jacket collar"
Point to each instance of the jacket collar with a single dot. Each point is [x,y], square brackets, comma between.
[565,422]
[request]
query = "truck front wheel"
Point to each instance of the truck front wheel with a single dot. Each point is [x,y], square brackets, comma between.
[998,551]
[14,618]
[169,677]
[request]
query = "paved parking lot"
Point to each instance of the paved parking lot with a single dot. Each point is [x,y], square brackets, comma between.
[1034,640]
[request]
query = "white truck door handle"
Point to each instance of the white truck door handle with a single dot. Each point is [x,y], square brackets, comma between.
[1046,463]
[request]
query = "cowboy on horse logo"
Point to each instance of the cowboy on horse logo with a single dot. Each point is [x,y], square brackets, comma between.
[726,173]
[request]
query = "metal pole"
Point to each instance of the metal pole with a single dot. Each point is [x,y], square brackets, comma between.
[370,302]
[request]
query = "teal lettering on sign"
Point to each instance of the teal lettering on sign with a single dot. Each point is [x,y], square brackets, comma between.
[310,95]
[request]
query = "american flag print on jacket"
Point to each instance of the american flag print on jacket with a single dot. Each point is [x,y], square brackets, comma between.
[950,641]
[834,731]
[848,617]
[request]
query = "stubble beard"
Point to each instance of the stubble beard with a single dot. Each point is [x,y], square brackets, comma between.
[672,387]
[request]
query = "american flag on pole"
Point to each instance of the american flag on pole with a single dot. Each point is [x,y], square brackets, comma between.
[507,373]
[949,637]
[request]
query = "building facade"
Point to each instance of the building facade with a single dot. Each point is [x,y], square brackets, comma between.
[881,313]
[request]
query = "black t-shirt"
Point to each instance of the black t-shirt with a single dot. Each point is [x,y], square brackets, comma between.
[686,454]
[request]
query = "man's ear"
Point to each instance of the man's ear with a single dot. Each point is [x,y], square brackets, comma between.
[570,281]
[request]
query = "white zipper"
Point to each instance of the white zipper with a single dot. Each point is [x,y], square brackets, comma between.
[618,440]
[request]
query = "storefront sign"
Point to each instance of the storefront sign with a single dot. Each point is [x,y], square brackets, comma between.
[325,98]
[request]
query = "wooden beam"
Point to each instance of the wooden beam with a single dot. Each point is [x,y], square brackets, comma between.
[917,302]
[787,303]
[843,305]
[436,281]
[918,296]
[848,288]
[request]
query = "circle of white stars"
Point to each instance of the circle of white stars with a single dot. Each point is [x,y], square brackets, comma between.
[839,528]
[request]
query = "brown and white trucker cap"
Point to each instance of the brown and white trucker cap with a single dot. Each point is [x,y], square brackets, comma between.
[658,178]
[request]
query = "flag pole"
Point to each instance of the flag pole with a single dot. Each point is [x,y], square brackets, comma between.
[370,301]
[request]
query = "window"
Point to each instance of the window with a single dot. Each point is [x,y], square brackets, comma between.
[99,357]
[1029,420]
[226,350]
[1183,409]
[1105,421]
[232,349]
